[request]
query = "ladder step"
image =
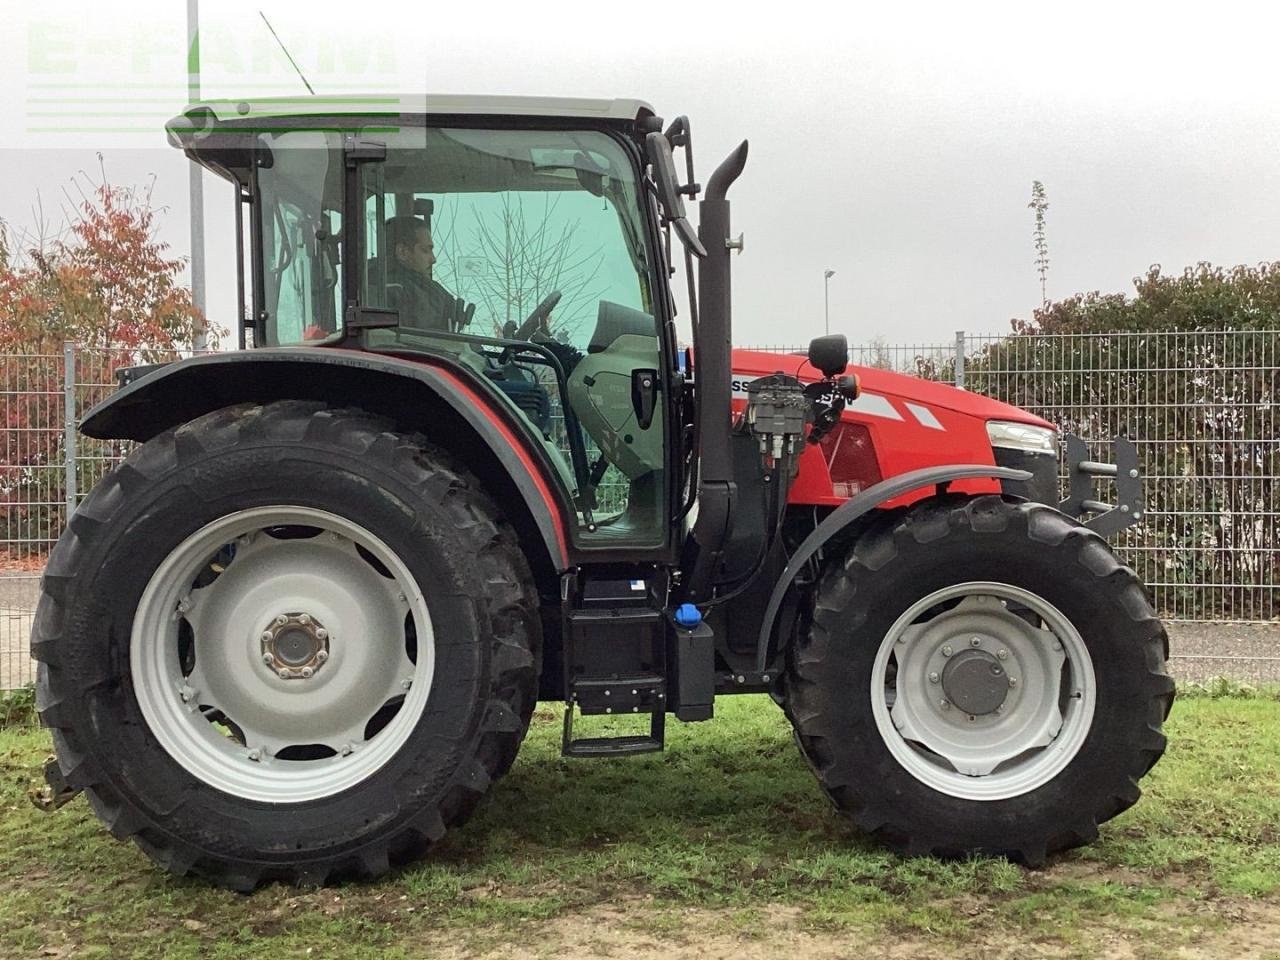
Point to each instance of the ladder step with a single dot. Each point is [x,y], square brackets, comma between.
[610,746]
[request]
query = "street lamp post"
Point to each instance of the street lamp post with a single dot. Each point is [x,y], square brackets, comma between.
[195,181]
[826,300]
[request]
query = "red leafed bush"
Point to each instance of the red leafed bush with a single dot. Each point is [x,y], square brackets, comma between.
[107,285]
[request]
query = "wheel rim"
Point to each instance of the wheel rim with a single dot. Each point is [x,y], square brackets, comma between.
[983,691]
[282,654]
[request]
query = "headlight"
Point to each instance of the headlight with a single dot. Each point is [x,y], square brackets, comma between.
[1023,436]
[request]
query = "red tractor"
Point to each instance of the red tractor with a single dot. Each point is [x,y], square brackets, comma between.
[466,465]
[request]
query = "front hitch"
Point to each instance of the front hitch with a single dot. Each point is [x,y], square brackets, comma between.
[1106,519]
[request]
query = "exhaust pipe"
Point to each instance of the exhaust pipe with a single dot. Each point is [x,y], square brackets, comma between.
[713,374]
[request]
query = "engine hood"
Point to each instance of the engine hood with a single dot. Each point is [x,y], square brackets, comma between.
[889,384]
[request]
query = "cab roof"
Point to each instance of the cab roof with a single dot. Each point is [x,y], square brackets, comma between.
[422,104]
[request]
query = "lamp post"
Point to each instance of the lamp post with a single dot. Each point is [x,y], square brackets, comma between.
[826,300]
[195,181]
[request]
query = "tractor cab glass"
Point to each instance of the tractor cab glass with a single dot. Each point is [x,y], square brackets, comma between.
[518,254]
[300,182]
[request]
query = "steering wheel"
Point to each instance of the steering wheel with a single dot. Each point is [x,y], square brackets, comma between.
[536,322]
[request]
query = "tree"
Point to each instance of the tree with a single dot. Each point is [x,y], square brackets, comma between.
[525,254]
[107,284]
[1040,203]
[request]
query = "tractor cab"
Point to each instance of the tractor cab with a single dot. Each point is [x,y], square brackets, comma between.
[523,249]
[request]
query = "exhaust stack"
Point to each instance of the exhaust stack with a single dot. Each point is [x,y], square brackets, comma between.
[713,372]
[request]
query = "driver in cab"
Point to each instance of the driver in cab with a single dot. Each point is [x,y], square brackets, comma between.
[422,301]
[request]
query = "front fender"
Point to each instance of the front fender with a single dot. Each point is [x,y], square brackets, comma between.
[441,401]
[855,508]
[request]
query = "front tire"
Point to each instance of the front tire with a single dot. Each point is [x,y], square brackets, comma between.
[980,676]
[284,642]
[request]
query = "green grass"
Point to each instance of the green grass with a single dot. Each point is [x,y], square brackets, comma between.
[728,822]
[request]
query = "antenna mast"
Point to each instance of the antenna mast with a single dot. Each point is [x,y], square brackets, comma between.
[286,53]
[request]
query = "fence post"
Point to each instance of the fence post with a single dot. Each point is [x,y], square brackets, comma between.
[69,423]
[959,364]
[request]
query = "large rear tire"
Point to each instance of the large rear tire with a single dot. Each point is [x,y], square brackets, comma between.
[980,676]
[284,642]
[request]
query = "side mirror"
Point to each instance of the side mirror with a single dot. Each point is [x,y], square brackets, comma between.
[830,354]
[664,174]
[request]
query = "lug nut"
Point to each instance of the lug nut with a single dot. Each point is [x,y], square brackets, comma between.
[406,684]
[266,636]
[347,750]
[975,642]
[281,620]
[303,619]
[322,655]
[1013,681]
[933,677]
[268,659]
[255,755]
[283,674]
[945,705]
[322,634]
[307,673]
[1002,654]
[946,651]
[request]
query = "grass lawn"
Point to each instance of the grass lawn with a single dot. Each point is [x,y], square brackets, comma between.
[722,846]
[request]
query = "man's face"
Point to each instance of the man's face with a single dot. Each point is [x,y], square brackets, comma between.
[421,256]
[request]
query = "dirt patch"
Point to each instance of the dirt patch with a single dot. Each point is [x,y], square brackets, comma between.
[1240,931]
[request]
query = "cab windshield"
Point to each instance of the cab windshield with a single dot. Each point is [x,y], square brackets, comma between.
[519,254]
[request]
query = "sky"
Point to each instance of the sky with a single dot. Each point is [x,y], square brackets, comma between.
[892,143]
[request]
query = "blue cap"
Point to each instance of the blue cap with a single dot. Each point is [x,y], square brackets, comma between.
[687,615]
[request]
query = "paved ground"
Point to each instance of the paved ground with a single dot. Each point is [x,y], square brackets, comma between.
[1248,652]
[18,593]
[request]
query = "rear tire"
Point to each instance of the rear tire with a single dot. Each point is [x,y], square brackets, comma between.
[928,606]
[233,736]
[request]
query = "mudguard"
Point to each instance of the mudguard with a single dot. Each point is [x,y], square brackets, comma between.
[855,508]
[166,396]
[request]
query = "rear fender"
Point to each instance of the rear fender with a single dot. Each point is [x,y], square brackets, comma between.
[444,403]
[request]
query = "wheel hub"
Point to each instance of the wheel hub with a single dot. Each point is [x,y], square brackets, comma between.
[295,646]
[975,682]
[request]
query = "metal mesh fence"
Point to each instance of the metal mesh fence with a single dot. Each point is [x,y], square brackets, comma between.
[1201,406]
[47,468]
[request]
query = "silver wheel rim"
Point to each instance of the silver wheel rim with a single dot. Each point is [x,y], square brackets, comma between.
[1008,637]
[279,680]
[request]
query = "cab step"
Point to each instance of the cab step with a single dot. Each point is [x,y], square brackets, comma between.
[616,696]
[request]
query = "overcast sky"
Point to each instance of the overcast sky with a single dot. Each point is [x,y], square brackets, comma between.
[892,143]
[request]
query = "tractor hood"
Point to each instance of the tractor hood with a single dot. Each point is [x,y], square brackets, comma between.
[748,364]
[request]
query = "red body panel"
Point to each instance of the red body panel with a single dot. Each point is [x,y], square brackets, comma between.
[913,423]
